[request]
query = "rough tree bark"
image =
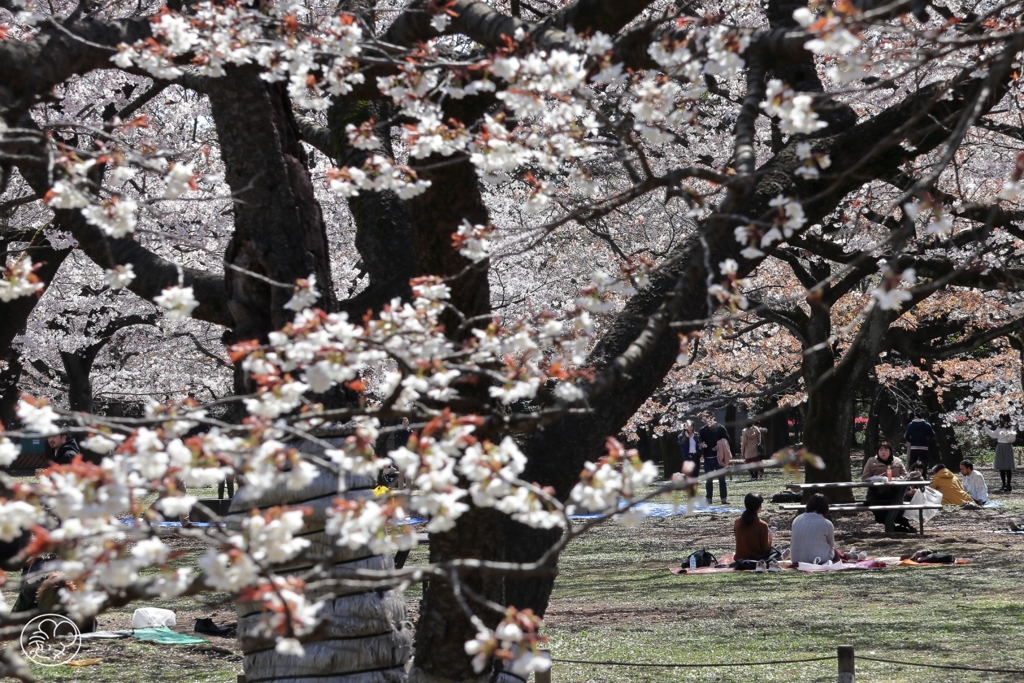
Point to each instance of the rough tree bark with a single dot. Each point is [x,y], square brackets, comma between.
[279,229]
[14,315]
[363,637]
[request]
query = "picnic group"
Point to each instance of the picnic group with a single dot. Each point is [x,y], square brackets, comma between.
[812,537]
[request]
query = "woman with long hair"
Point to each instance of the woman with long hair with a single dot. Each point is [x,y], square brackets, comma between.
[1004,435]
[753,536]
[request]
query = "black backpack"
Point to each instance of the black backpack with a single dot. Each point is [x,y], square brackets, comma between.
[702,558]
[787,497]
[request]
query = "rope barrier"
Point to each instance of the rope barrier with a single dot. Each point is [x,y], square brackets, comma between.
[941,666]
[671,665]
[693,666]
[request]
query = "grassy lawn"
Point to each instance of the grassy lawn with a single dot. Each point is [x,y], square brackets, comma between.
[615,600]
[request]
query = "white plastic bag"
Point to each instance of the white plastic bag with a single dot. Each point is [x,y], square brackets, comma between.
[830,567]
[152,617]
[926,496]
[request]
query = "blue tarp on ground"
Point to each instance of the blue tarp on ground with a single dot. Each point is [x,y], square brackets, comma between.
[198,525]
[410,521]
[165,636]
[667,510]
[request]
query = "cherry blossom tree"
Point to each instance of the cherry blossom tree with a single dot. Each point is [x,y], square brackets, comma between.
[445,158]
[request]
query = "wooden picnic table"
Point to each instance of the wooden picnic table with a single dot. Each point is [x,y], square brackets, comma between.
[905,483]
[893,509]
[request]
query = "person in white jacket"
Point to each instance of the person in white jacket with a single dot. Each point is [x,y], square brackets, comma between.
[974,483]
[1004,436]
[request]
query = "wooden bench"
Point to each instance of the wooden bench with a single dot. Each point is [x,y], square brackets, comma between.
[890,519]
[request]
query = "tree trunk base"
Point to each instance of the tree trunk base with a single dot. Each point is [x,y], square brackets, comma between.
[417,675]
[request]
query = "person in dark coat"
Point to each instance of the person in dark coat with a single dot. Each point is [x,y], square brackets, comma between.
[918,435]
[710,434]
[690,446]
[65,448]
[403,435]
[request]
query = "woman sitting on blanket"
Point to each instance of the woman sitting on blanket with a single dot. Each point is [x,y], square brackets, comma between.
[753,537]
[814,537]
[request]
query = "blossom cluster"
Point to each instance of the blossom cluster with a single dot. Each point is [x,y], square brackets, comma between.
[888,295]
[516,640]
[116,214]
[19,280]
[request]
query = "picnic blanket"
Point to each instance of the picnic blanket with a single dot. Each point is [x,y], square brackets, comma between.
[106,635]
[868,563]
[166,636]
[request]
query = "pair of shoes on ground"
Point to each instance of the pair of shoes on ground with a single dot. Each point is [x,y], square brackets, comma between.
[710,502]
[771,566]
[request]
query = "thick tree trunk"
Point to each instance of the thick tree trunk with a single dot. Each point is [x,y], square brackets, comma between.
[77,369]
[279,229]
[383,225]
[778,432]
[10,375]
[890,423]
[827,432]
[444,626]
[363,637]
[871,431]
[948,446]
[280,235]
[436,215]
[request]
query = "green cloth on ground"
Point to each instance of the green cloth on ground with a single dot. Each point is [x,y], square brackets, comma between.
[166,636]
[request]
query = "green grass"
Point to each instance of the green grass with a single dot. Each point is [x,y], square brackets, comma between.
[133,660]
[615,600]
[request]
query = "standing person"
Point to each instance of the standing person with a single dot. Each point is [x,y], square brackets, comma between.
[229,481]
[751,448]
[1004,436]
[710,434]
[65,448]
[974,483]
[403,435]
[918,435]
[690,446]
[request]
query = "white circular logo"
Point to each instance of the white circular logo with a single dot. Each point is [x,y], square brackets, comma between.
[51,640]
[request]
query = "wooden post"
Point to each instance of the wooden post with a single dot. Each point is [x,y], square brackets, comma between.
[543,676]
[846,664]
